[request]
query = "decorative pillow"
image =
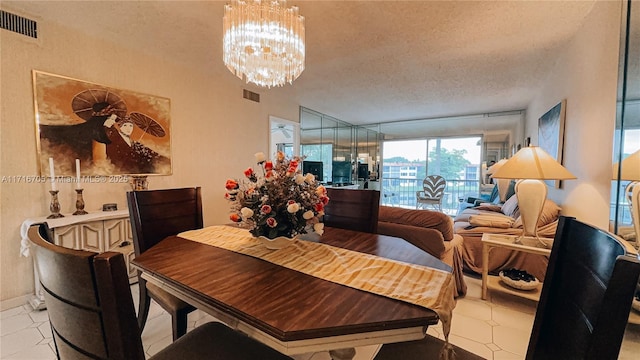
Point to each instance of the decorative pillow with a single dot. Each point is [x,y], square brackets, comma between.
[550,212]
[495,221]
[489,207]
[510,207]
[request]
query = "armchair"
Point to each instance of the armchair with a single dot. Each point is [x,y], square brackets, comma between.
[432,193]
[431,231]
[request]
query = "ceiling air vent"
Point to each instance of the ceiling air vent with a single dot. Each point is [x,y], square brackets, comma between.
[250,95]
[19,24]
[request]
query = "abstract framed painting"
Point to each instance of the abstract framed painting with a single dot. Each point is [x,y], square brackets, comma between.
[111,131]
[551,135]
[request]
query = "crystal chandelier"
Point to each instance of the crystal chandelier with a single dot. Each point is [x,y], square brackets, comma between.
[264,41]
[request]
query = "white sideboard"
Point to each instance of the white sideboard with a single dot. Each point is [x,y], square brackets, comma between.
[97,231]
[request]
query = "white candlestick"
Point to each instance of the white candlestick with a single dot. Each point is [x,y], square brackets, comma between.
[78,186]
[52,173]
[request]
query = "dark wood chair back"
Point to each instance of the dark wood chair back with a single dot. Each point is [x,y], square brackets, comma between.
[352,209]
[586,295]
[88,301]
[156,214]
[92,316]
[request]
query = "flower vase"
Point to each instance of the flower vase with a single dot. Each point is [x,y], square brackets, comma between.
[276,243]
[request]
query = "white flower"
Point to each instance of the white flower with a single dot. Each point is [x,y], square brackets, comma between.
[318,228]
[307,215]
[299,179]
[293,208]
[246,212]
[260,157]
[309,178]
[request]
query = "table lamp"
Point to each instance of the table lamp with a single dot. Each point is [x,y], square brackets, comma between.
[502,184]
[630,171]
[530,165]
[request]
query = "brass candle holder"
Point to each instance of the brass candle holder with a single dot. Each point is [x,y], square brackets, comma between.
[54,207]
[79,203]
[139,182]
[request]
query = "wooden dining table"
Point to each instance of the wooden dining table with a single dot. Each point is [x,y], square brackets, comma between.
[290,311]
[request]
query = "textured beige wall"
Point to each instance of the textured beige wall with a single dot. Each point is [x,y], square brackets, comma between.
[215,131]
[586,75]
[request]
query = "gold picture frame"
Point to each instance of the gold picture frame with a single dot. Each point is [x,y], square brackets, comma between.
[111,131]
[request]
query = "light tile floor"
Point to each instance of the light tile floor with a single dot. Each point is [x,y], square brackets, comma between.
[496,329]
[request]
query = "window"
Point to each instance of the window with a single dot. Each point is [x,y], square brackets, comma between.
[407,162]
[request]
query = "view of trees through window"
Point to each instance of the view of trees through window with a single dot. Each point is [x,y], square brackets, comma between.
[406,163]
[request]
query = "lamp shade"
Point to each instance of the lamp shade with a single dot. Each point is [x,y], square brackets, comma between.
[630,168]
[533,163]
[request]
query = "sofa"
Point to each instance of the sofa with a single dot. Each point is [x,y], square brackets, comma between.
[431,231]
[503,219]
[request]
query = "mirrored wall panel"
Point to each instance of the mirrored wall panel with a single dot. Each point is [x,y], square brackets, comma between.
[626,154]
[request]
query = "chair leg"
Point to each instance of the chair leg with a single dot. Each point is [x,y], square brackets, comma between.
[145,303]
[179,323]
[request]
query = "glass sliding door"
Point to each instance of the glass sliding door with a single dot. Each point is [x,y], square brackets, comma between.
[458,160]
[406,163]
[404,166]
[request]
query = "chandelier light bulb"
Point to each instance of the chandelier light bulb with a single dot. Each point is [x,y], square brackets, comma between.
[263,41]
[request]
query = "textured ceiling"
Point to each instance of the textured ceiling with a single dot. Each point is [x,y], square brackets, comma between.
[367,61]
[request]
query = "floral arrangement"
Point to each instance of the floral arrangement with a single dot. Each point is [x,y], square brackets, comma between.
[278,202]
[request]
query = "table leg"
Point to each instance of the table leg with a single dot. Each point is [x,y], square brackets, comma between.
[343,354]
[485,269]
[37,300]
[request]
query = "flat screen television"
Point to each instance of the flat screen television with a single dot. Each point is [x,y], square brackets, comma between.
[363,171]
[341,172]
[313,167]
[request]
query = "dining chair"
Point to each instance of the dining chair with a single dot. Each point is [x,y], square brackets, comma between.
[352,209]
[584,305]
[92,316]
[156,214]
[432,192]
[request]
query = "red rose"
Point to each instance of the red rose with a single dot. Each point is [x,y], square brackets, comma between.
[319,207]
[325,200]
[232,184]
[272,222]
[268,165]
[293,165]
[266,209]
[248,172]
[235,217]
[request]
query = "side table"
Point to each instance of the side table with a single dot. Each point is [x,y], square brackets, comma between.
[528,245]
[96,231]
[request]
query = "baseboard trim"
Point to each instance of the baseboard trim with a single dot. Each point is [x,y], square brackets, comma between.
[14,302]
